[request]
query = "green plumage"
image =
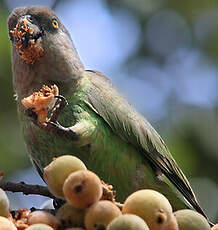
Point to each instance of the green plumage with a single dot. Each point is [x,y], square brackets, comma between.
[112,139]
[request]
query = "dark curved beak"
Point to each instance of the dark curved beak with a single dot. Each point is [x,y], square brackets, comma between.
[25,31]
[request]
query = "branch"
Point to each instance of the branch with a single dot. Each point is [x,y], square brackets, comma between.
[26,189]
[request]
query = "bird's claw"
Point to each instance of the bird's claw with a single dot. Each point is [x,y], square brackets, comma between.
[62,102]
[51,125]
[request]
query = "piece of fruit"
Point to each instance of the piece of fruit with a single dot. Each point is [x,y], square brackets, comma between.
[191,220]
[82,188]
[42,217]
[4,203]
[6,224]
[29,48]
[39,227]
[215,227]
[70,216]
[100,214]
[42,101]
[128,222]
[172,224]
[58,170]
[74,228]
[151,206]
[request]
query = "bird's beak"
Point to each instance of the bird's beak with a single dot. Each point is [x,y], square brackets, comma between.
[28,39]
[25,31]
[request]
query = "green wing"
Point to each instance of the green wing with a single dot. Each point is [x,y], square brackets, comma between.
[126,122]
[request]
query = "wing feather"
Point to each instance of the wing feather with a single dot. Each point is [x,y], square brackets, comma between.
[126,122]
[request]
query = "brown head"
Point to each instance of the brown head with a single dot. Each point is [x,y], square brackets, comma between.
[42,50]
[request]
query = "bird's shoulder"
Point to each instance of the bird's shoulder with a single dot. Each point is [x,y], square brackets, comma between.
[121,116]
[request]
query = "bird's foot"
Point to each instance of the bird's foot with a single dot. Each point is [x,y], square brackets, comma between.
[51,125]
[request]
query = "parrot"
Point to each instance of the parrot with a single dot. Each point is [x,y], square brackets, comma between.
[93,121]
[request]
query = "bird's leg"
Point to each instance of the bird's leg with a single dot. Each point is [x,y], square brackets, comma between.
[79,132]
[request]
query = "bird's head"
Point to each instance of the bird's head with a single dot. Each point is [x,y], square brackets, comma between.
[41,44]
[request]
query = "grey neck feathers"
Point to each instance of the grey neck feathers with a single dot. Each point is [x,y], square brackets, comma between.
[52,68]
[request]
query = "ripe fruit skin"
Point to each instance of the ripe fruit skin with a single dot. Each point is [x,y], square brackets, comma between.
[128,222]
[191,220]
[6,224]
[100,214]
[42,217]
[215,227]
[4,204]
[74,228]
[70,216]
[58,170]
[151,206]
[82,189]
[39,227]
[172,224]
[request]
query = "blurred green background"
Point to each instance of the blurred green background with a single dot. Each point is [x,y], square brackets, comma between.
[161,54]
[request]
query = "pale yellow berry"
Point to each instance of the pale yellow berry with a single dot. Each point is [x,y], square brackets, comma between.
[58,170]
[172,224]
[39,227]
[82,189]
[4,204]
[74,228]
[128,222]
[42,217]
[100,214]
[191,220]
[215,227]
[151,206]
[6,224]
[70,216]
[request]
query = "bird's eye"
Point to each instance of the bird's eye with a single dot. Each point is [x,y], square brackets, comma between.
[54,23]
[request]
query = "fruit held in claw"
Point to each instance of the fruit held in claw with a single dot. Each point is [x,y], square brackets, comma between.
[191,220]
[82,189]
[128,222]
[58,170]
[100,214]
[42,101]
[151,206]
